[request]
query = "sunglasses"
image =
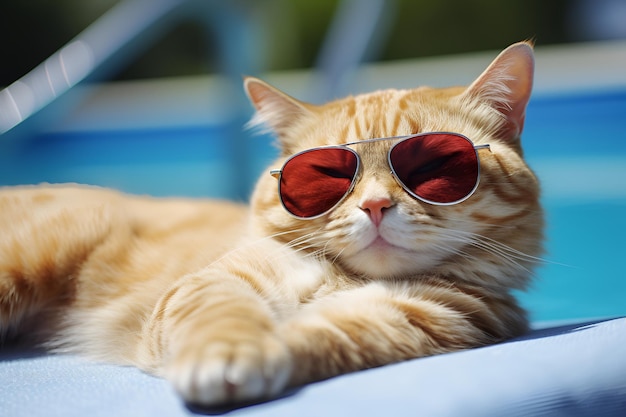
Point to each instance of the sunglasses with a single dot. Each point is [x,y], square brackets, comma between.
[438,168]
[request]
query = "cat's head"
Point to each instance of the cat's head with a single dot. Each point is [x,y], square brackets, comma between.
[379,230]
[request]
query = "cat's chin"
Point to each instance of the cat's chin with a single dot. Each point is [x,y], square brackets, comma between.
[381,259]
[380,245]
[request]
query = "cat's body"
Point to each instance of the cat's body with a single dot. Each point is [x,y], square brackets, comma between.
[234,303]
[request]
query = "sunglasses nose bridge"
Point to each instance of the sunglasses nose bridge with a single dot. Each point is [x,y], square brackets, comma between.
[374,165]
[373,156]
[378,182]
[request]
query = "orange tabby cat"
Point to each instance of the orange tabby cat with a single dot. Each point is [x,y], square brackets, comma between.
[232,303]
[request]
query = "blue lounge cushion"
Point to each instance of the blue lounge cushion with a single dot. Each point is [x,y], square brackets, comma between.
[574,370]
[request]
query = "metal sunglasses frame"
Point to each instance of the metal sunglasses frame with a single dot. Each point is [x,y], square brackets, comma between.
[277,173]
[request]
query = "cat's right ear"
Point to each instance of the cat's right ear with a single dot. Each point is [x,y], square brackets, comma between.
[506,86]
[274,109]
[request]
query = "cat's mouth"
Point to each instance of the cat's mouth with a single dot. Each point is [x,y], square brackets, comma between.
[382,246]
[381,258]
[381,243]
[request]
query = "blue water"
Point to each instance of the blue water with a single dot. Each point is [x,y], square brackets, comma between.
[576,143]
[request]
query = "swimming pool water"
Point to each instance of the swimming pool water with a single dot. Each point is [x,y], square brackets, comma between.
[576,143]
[577,146]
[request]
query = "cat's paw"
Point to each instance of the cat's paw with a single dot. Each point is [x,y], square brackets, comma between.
[222,372]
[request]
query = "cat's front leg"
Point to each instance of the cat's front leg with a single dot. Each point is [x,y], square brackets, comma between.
[383,323]
[213,337]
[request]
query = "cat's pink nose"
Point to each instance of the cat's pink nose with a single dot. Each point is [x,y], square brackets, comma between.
[375,208]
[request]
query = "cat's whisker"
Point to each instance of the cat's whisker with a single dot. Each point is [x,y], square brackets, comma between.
[511,252]
[333,261]
[507,254]
[303,242]
[456,251]
[252,243]
[312,241]
[503,255]
[480,223]
[490,243]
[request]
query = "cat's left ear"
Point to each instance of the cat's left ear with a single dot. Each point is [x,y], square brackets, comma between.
[275,109]
[506,86]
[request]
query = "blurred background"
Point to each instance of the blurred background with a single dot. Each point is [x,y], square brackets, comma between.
[145,96]
[296,29]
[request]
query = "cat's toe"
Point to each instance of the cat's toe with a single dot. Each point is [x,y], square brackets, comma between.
[226,372]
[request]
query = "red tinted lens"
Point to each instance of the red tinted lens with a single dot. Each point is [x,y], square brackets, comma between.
[440,167]
[313,182]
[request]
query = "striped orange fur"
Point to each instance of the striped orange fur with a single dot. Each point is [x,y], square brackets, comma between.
[234,303]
